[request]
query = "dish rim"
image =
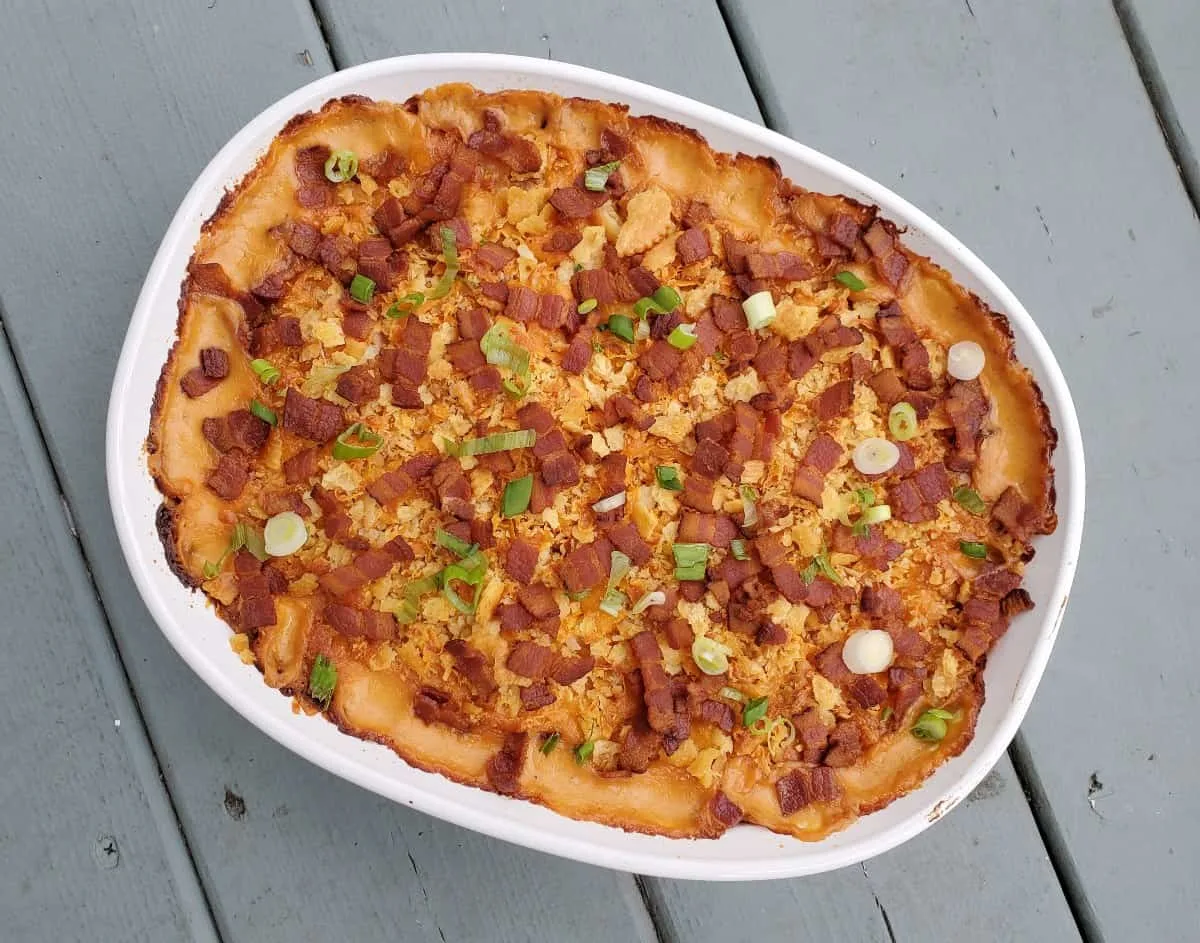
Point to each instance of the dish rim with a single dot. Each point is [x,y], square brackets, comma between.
[464,805]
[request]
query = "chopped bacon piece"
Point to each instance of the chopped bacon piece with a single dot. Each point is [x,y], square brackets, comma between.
[539,600]
[808,483]
[1014,603]
[640,748]
[536,695]
[562,240]
[530,660]
[812,736]
[800,359]
[620,408]
[644,282]
[720,813]
[880,600]
[504,768]
[214,363]
[334,519]
[513,616]
[576,203]
[522,303]
[717,713]
[585,566]
[301,237]
[975,641]
[735,252]
[472,665]
[933,482]
[770,550]
[995,581]
[823,453]
[453,489]
[786,266]
[692,246]
[519,154]
[845,743]
[314,190]
[433,706]
[845,230]
[473,323]
[866,691]
[569,670]
[830,664]
[195,383]
[578,355]
[728,314]
[359,384]
[894,326]
[311,419]
[257,608]
[521,560]
[241,429]
[560,468]
[967,407]
[835,400]
[801,788]
[679,634]
[1016,515]
[374,254]
[787,580]
[771,633]
[656,685]
[230,475]
[537,417]
[914,362]
[625,537]
[697,493]
[660,360]
[360,623]
[733,573]
[710,458]
[888,386]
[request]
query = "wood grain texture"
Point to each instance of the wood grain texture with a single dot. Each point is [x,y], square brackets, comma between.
[1162,35]
[1025,128]
[89,848]
[998,833]
[124,105]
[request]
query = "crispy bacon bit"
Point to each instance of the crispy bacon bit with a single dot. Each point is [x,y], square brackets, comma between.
[530,660]
[585,566]
[640,748]
[845,743]
[679,634]
[1016,515]
[801,788]
[360,623]
[880,600]
[812,736]
[301,237]
[890,261]
[786,266]
[241,429]
[195,384]
[656,685]
[432,706]
[230,475]
[710,458]
[622,408]
[1014,603]
[314,190]
[866,691]
[374,254]
[257,608]
[536,695]
[697,493]
[521,560]
[359,384]
[845,230]
[660,360]
[393,485]
[311,419]
[519,154]
[472,665]
[692,246]
[453,489]
[538,600]
[835,400]
[625,537]
[576,203]
[728,314]
[888,386]
[334,519]
[513,616]
[522,304]
[967,407]
[569,670]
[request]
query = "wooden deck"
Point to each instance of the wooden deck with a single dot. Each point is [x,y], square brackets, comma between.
[1058,140]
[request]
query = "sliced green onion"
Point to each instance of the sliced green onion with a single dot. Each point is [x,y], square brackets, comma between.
[322,680]
[587,306]
[471,571]
[749,507]
[613,602]
[266,371]
[668,478]
[611,503]
[655,598]
[682,337]
[237,540]
[737,547]
[886,714]
[357,441]
[820,564]
[618,567]
[498,442]
[760,726]
[516,387]
[931,725]
[875,515]
[516,496]
[341,166]
[550,744]
[213,567]
[780,736]
[940,713]
[969,498]
[410,607]
[690,561]
[667,298]
[265,413]
[579,594]
[596,178]
[710,656]
[284,534]
[362,289]
[406,305]
[456,545]
[502,351]
[755,709]
[973,549]
[644,306]
[620,325]
[584,751]
[902,422]
[864,496]
[256,544]
[851,281]
[450,254]
[731,694]
[760,310]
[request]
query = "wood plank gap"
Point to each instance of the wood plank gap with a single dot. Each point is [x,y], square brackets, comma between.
[117,685]
[1180,148]
[752,67]
[319,19]
[653,910]
[1061,859]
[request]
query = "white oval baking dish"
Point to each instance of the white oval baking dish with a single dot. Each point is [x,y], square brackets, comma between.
[202,639]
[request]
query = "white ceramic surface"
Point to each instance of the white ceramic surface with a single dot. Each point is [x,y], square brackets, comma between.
[1013,669]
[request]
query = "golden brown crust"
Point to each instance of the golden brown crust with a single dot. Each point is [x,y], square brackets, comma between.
[455,732]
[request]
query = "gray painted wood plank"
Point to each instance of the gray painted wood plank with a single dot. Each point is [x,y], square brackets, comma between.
[85,853]
[123,105]
[1163,36]
[1024,127]
[985,835]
